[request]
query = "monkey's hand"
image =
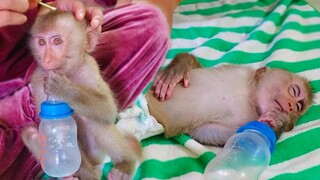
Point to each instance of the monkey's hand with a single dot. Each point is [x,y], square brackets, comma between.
[58,86]
[166,80]
[276,119]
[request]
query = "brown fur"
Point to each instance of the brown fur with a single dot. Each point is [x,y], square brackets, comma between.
[68,72]
[221,99]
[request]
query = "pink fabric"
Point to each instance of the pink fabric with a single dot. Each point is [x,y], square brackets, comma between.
[133,45]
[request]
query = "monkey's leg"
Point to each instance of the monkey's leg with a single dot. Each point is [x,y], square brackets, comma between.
[87,170]
[99,140]
[212,134]
[177,71]
[123,150]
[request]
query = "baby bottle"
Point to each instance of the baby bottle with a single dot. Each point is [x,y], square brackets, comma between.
[60,155]
[245,155]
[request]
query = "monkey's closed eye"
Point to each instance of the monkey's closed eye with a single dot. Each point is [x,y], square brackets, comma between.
[57,41]
[294,91]
[42,42]
[299,106]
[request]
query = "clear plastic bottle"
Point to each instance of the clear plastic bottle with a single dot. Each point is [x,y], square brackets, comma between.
[245,155]
[60,155]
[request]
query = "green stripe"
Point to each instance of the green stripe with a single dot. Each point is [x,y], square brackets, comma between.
[248,13]
[226,8]
[209,32]
[299,2]
[311,115]
[257,35]
[219,44]
[261,13]
[308,174]
[173,168]
[184,2]
[264,37]
[206,32]
[316,85]
[284,151]
[105,170]
[241,57]
[276,18]
[158,139]
[182,139]
[246,10]
[296,67]
[304,14]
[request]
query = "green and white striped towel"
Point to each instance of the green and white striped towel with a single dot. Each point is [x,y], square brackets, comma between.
[283,34]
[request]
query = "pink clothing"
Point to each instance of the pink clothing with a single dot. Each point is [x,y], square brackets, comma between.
[131,48]
[133,44]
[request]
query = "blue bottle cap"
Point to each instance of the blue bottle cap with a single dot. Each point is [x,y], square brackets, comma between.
[55,110]
[264,129]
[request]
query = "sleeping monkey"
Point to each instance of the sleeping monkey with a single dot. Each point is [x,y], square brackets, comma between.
[219,100]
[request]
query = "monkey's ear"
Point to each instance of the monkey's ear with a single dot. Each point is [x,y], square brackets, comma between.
[92,38]
[261,71]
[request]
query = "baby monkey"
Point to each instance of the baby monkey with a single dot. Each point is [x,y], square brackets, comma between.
[61,46]
[221,99]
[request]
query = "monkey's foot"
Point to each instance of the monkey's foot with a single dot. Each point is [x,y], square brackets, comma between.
[115,174]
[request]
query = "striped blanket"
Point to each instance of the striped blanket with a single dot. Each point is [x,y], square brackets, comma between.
[283,34]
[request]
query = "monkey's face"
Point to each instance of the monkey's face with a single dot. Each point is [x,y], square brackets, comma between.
[58,42]
[49,50]
[284,91]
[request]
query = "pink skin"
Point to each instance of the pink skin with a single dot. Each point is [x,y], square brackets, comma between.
[12,11]
[165,82]
[50,47]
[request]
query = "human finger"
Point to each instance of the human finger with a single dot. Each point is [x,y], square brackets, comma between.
[77,7]
[15,5]
[11,18]
[95,16]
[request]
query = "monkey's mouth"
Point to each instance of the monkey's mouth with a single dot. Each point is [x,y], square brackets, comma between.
[280,107]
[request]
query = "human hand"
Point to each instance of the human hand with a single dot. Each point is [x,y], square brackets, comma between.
[91,13]
[11,11]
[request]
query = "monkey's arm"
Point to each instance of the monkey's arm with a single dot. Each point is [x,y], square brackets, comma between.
[37,88]
[92,102]
[177,71]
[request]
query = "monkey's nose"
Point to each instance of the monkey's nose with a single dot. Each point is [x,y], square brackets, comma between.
[292,107]
[47,60]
